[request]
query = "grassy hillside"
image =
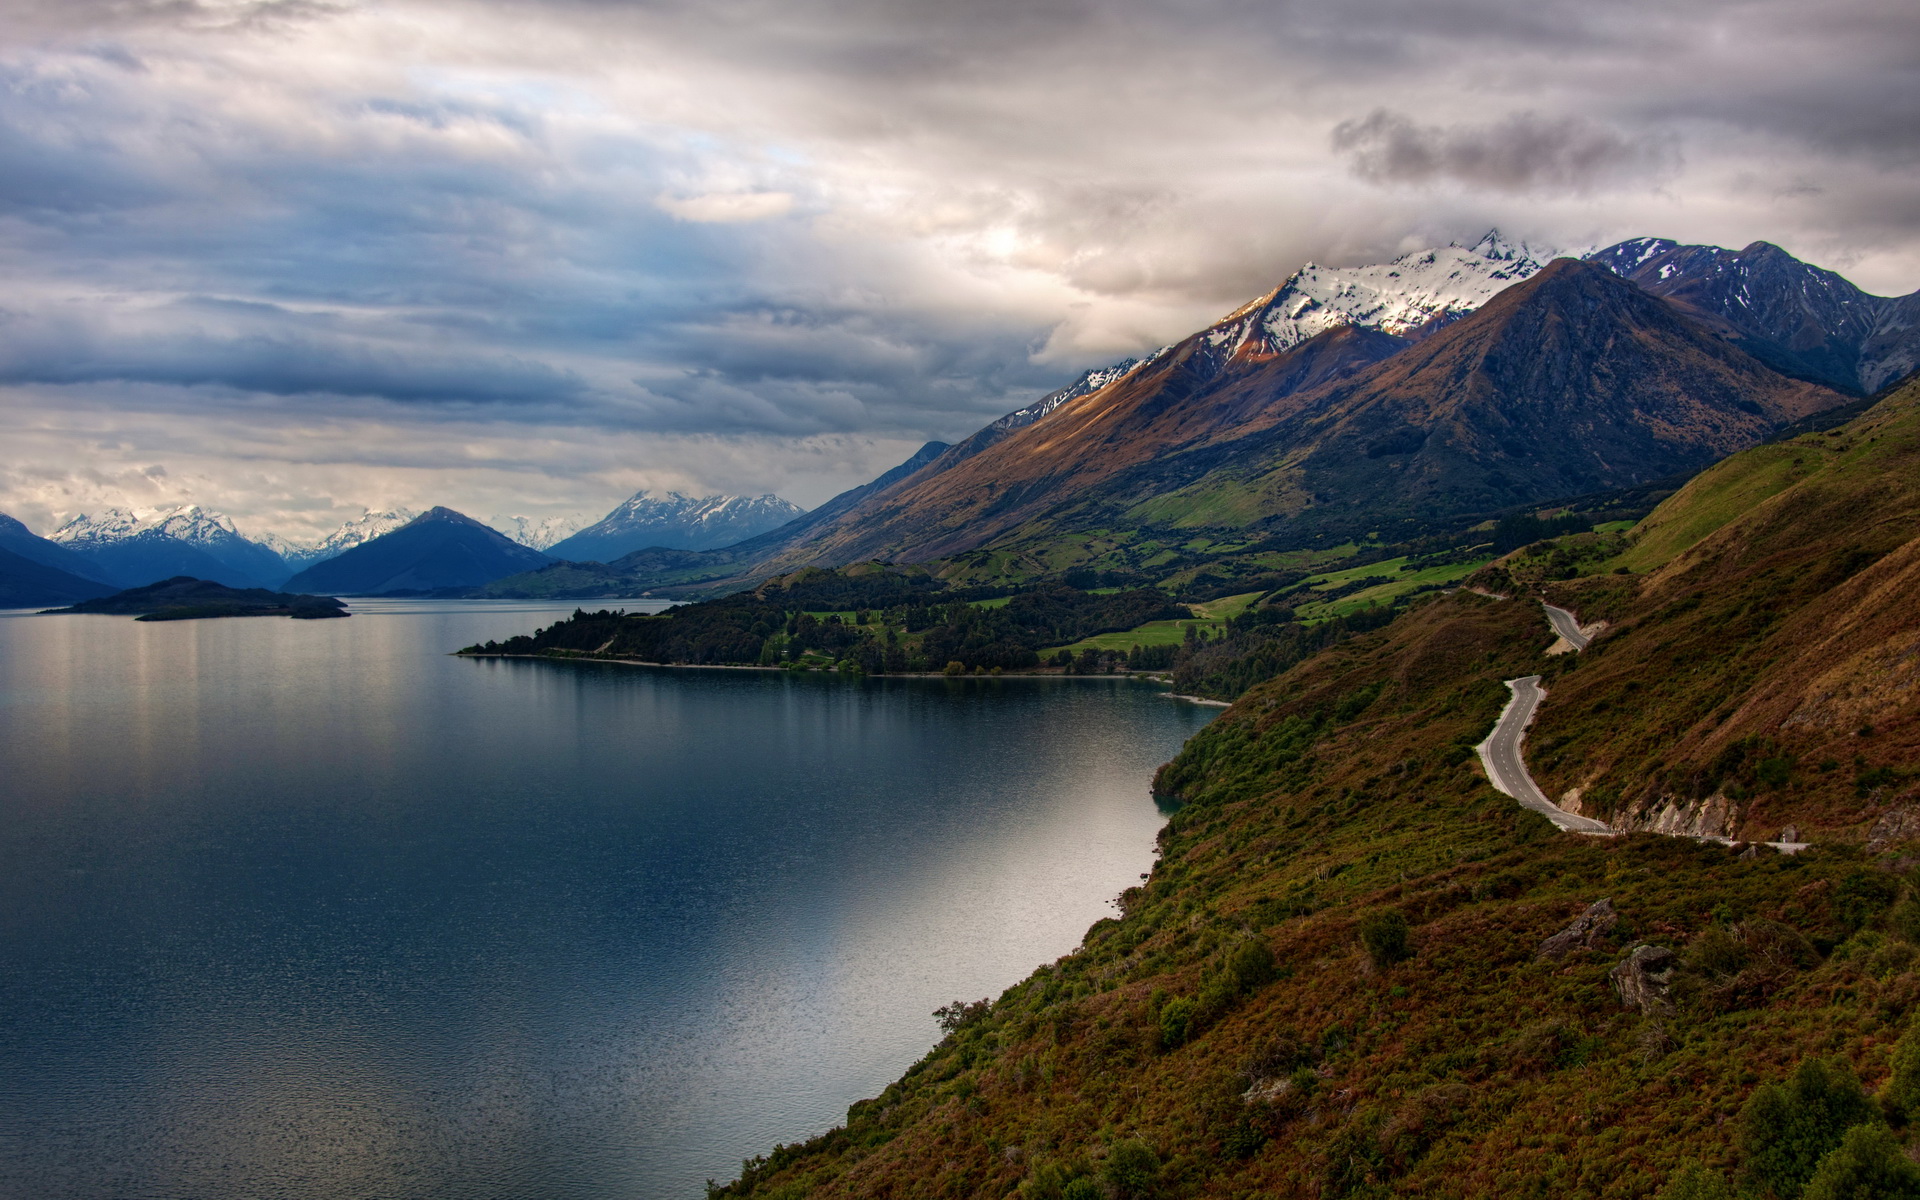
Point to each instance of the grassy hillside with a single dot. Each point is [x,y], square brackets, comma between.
[1766,669]
[1231,1034]
[1333,983]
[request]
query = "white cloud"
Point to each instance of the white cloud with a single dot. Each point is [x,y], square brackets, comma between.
[727,208]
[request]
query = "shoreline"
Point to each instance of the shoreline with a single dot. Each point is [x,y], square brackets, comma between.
[1158,680]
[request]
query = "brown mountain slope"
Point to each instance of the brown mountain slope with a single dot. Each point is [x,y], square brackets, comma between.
[1571,381]
[1768,673]
[1173,401]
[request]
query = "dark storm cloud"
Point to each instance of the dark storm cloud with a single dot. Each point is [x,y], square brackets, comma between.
[1524,152]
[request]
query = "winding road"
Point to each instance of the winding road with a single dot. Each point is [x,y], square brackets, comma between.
[1567,626]
[1500,753]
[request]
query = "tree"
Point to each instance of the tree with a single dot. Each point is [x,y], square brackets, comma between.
[1868,1165]
[1786,1128]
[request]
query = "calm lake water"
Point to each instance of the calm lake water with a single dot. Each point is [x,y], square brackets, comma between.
[311,909]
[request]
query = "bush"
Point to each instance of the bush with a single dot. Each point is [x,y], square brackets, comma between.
[1384,936]
[1787,1128]
[1862,896]
[1132,1170]
[1869,1165]
[1176,1021]
[1901,1096]
[1694,1181]
[1251,964]
[1083,1189]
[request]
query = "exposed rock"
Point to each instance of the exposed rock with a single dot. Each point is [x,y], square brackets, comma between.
[1713,817]
[1643,977]
[1266,1091]
[1790,833]
[1899,824]
[1585,932]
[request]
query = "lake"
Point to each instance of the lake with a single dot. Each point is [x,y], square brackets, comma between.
[313,909]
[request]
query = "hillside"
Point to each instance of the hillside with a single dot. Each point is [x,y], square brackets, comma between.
[1342,979]
[1762,671]
[26,583]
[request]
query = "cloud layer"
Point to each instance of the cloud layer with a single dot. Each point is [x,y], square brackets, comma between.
[755,246]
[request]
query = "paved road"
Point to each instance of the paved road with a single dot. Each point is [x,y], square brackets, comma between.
[1566,625]
[1500,754]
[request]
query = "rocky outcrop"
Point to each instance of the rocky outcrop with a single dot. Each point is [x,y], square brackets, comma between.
[1714,817]
[1643,979]
[1584,934]
[1900,823]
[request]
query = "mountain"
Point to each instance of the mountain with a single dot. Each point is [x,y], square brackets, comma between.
[675,522]
[1404,299]
[363,528]
[135,547]
[18,539]
[1570,381]
[439,549]
[29,583]
[1795,316]
[536,533]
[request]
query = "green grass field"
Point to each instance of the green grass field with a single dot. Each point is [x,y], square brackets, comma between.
[1396,583]
[1153,633]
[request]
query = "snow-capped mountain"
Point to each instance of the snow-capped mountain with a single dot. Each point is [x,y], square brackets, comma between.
[1399,297]
[1417,291]
[1793,315]
[675,522]
[537,533]
[363,528]
[134,547]
[1090,382]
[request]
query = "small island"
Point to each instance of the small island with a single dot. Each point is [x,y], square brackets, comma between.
[184,598]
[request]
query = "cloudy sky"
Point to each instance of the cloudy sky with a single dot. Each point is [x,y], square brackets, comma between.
[294,258]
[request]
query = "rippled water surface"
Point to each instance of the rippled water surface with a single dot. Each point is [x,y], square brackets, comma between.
[311,909]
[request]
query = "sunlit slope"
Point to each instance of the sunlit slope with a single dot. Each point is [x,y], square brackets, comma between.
[1767,671]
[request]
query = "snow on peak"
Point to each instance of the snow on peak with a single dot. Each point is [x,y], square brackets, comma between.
[363,528]
[1396,297]
[186,522]
[537,533]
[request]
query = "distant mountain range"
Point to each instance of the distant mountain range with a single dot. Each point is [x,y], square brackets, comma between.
[131,549]
[1347,405]
[675,522]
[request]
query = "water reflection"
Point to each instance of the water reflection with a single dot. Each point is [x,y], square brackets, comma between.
[313,909]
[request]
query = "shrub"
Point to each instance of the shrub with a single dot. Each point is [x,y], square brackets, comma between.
[1251,964]
[1901,1096]
[1384,936]
[1862,896]
[1132,1170]
[1694,1181]
[1786,1128]
[1083,1188]
[1176,1021]
[1868,1165]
